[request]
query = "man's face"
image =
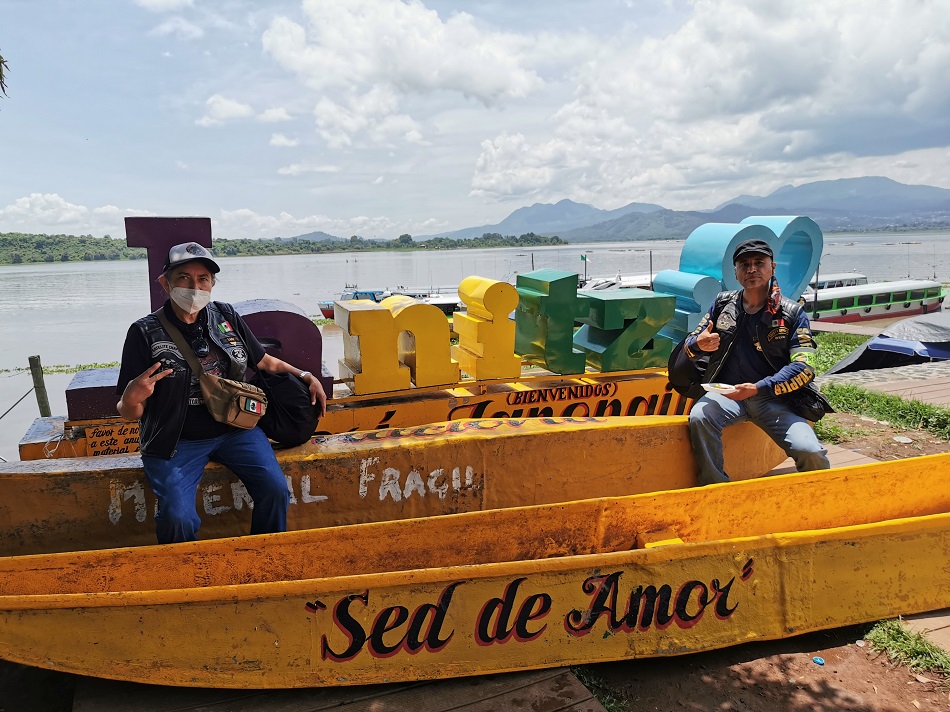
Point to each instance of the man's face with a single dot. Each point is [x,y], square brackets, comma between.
[192,275]
[754,270]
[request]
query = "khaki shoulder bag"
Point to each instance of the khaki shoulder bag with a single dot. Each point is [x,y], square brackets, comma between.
[232,402]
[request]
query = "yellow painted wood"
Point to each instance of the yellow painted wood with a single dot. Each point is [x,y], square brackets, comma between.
[493,591]
[445,468]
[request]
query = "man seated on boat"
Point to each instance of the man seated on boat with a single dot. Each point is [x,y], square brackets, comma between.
[760,341]
[177,433]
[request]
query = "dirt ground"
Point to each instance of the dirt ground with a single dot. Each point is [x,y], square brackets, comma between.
[777,676]
[876,439]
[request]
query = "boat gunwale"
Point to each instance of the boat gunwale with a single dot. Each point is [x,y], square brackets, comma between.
[497,569]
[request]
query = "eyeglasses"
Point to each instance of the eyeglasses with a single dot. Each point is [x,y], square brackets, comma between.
[200,346]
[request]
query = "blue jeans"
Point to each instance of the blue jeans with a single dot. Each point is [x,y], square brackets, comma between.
[713,412]
[247,453]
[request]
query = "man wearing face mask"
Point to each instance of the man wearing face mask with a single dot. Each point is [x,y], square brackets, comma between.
[177,434]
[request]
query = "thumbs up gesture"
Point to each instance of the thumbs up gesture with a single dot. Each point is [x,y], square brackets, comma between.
[708,340]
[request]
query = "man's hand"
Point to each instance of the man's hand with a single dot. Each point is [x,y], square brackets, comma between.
[317,394]
[139,390]
[742,391]
[708,340]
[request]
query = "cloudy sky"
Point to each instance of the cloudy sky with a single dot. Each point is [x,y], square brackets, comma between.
[380,117]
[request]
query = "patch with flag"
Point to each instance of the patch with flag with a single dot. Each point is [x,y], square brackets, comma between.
[585,258]
[225,327]
[253,406]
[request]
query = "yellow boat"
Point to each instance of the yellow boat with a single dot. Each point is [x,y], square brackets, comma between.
[78,503]
[648,575]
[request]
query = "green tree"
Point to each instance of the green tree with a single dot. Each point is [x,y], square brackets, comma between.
[404,240]
[4,68]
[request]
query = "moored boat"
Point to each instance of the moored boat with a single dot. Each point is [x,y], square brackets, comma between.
[351,292]
[875,300]
[443,468]
[588,581]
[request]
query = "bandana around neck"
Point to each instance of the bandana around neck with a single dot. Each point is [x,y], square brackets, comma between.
[775,297]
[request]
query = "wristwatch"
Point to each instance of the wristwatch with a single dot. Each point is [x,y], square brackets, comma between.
[303,375]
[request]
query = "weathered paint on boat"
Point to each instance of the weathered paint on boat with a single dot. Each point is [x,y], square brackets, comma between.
[644,392]
[446,468]
[642,576]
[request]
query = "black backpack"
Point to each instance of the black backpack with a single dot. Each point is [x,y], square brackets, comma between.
[684,375]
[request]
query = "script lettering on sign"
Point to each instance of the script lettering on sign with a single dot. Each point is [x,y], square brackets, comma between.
[112,439]
[516,615]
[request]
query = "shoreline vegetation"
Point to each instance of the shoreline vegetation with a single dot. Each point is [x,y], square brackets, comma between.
[24,248]
[21,248]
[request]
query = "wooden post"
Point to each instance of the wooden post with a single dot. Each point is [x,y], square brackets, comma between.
[42,400]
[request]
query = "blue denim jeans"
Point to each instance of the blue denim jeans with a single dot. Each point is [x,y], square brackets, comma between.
[713,412]
[247,453]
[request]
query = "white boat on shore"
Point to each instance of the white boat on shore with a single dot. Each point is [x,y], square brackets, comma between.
[875,300]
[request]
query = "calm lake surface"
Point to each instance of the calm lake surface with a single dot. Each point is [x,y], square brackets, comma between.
[78,313]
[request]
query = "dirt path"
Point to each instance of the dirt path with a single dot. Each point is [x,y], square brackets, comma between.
[777,676]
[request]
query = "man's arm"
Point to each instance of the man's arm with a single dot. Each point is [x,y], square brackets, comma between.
[803,353]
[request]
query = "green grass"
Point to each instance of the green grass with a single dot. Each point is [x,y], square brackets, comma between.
[830,432]
[895,410]
[63,368]
[832,347]
[908,648]
[598,686]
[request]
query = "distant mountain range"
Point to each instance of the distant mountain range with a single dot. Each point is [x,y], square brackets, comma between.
[870,203]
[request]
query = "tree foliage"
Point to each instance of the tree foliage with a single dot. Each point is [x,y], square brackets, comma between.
[20,248]
[4,68]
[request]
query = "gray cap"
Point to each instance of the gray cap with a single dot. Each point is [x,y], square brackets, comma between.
[189,252]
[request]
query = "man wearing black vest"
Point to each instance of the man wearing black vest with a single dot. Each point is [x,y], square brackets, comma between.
[177,434]
[760,355]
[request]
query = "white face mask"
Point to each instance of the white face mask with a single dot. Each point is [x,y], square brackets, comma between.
[190,300]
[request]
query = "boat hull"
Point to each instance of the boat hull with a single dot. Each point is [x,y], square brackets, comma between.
[875,313]
[643,576]
[445,468]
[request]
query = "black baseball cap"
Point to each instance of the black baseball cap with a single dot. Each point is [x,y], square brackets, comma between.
[189,252]
[758,247]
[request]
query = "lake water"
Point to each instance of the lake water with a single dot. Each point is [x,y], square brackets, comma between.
[78,313]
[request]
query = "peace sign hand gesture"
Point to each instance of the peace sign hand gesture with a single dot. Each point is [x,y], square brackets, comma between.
[139,390]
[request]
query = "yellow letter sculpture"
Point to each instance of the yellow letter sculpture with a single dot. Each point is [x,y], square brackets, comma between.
[486,333]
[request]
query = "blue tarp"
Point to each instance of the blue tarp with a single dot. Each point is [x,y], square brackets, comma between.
[919,339]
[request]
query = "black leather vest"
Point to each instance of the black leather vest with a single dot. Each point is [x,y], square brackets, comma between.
[164,415]
[776,350]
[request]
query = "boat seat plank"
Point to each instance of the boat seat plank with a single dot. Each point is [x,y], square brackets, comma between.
[554,690]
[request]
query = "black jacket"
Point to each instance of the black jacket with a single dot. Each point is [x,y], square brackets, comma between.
[161,423]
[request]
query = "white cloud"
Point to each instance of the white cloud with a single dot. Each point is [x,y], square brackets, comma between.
[274,115]
[164,5]
[740,98]
[296,169]
[219,109]
[371,116]
[404,45]
[278,139]
[378,181]
[247,223]
[49,213]
[179,27]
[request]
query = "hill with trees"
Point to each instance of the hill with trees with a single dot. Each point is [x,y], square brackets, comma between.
[19,248]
